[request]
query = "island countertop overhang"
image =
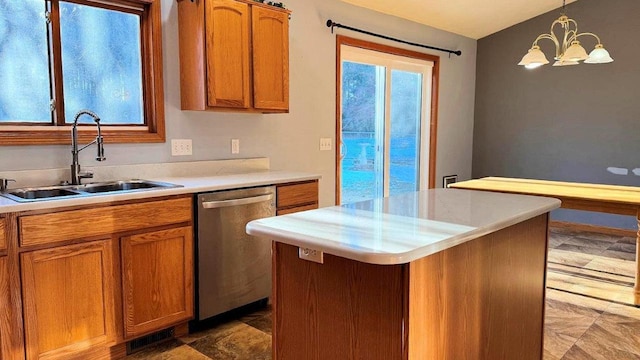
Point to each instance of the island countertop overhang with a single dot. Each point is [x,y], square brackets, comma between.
[403,228]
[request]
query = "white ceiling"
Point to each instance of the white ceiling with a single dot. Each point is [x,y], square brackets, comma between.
[470,18]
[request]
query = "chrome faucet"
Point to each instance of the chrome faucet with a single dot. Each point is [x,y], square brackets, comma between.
[4,184]
[76,174]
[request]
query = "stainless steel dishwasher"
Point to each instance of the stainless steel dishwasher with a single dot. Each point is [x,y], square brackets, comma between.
[232,268]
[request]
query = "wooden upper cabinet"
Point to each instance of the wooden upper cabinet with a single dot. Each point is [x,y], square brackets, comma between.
[227,55]
[68,296]
[234,56]
[270,34]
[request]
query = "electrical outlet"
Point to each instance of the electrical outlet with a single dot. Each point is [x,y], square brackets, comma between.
[449,179]
[235,146]
[181,147]
[311,255]
[325,144]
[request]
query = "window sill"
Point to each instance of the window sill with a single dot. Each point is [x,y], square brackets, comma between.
[62,135]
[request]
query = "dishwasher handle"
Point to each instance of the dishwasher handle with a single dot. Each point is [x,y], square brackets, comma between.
[236,202]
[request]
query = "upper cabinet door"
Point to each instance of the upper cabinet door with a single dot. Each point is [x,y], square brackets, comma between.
[270,35]
[228,52]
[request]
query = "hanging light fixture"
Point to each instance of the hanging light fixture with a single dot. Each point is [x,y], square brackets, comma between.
[569,51]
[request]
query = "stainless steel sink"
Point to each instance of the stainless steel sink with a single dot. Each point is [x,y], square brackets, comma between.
[118,186]
[40,193]
[68,191]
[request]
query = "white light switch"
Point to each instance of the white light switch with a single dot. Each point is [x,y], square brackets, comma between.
[325,144]
[235,146]
[181,147]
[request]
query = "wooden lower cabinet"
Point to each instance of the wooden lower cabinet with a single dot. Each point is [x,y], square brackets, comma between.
[111,274]
[68,297]
[294,197]
[4,304]
[157,273]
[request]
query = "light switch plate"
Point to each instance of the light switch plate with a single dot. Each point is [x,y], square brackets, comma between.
[235,146]
[325,144]
[181,147]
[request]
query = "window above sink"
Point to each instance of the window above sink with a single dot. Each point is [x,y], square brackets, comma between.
[99,54]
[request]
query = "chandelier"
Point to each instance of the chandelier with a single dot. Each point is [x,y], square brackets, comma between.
[569,51]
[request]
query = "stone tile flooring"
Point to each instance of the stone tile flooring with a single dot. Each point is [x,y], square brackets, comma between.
[588,315]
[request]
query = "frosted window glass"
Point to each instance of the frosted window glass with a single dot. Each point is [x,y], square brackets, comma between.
[102,65]
[24,62]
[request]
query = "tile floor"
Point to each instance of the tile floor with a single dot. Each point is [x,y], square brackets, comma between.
[588,316]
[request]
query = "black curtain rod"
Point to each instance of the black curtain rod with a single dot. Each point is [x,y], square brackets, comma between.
[332,24]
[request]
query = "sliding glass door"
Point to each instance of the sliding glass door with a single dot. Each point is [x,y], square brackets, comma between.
[384,124]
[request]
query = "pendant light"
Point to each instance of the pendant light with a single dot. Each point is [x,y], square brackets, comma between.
[568,51]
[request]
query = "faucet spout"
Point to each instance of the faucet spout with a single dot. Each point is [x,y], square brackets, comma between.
[76,174]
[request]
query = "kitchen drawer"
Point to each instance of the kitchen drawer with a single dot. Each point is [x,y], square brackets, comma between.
[102,221]
[3,235]
[298,194]
[297,209]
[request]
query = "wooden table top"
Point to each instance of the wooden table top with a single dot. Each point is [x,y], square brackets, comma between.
[612,194]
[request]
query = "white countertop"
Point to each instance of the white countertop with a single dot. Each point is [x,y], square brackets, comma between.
[190,184]
[403,228]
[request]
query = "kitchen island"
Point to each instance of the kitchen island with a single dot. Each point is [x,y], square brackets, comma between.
[438,274]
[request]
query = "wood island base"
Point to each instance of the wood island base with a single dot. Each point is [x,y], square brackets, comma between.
[483,299]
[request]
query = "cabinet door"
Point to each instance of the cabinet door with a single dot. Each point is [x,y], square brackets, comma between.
[157,280]
[227,41]
[68,300]
[4,304]
[270,37]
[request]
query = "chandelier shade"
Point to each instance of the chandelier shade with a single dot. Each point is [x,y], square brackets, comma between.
[569,51]
[534,58]
[599,56]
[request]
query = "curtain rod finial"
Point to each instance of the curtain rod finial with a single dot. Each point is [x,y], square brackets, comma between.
[329,23]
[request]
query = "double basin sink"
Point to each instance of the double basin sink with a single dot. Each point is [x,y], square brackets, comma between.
[100,188]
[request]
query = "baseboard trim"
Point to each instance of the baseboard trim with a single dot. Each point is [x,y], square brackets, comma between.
[592,228]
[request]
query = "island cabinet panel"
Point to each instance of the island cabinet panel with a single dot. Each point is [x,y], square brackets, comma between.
[480,300]
[341,309]
[68,295]
[3,235]
[270,34]
[483,299]
[227,39]
[157,280]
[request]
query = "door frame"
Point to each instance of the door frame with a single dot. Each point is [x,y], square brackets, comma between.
[433,121]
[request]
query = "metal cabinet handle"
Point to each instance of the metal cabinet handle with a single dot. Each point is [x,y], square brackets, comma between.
[236,202]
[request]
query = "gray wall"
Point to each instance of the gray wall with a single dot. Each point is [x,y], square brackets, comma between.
[567,123]
[291,140]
